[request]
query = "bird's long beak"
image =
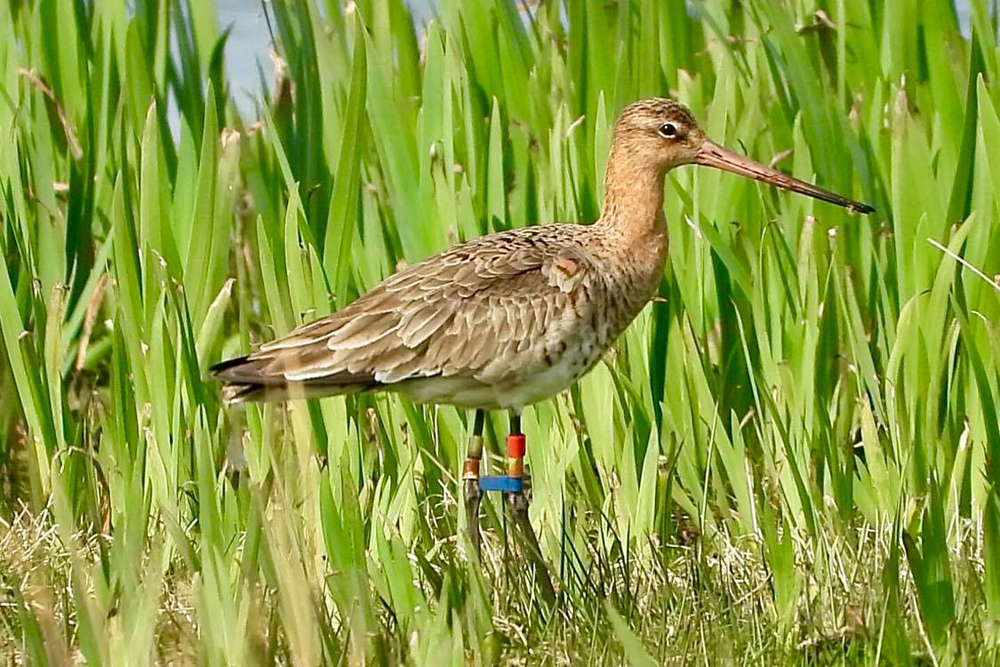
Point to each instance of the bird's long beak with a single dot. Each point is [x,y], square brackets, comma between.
[714,155]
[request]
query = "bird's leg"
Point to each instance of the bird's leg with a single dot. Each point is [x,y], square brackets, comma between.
[470,480]
[517,506]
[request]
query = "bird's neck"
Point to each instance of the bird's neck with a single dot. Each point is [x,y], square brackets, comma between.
[633,201]
[632,228]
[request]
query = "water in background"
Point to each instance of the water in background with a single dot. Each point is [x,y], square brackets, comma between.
[248,45]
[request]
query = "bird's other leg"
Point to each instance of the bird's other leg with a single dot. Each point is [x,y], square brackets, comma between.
[517,506]
[470,480]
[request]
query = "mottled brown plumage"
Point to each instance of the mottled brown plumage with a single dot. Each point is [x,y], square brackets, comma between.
[514,317]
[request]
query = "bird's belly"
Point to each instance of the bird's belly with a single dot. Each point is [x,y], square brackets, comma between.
[515,390]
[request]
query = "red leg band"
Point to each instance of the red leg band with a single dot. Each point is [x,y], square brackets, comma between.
[516,446]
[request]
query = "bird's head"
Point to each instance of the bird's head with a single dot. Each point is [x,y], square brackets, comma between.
[660,134]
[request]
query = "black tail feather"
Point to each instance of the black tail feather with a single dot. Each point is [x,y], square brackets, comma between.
[218,371]
[246,380]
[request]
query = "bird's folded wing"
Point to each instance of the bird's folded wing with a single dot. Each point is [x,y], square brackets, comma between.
[454,314]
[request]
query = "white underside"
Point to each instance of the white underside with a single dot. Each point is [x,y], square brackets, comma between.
[471,393]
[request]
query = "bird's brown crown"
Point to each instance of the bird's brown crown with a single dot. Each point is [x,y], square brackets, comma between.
[655,109]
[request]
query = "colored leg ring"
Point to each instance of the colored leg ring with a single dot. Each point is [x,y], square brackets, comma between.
[513,481]
[470,469]
[503,483]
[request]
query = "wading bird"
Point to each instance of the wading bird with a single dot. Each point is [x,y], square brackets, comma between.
[512,318]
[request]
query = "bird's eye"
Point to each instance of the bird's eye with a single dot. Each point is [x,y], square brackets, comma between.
[669,130]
